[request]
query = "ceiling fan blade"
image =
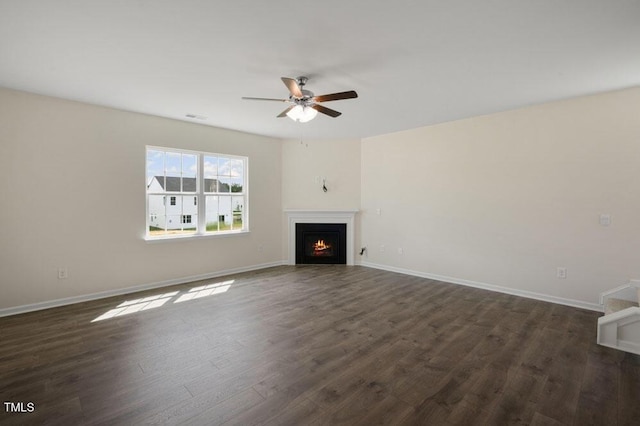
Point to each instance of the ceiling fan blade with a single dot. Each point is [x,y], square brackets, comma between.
[293,87]
[264,99]
[336,96]
[328,111]
[284,113]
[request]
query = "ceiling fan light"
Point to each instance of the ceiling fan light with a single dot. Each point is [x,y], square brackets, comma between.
[302,114]
[308,114]
[295,113]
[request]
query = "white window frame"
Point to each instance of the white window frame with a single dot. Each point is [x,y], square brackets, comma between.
[200,196]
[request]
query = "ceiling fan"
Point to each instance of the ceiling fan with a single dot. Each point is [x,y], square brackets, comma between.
[304,104]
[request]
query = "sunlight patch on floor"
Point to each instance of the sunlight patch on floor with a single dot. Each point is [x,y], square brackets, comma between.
[150,302]
[205,290]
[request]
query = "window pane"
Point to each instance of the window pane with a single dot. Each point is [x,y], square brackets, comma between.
[173,222]
[210,166]
[173,164]
[224,213]
[224,166]
[156,231]
[189,184]
[157,218]
[224,184]
[189,172]
[212,217]
[236,184]
[155,165]
[176,227]
[189,165]
[238,211]
[236,168]
[156,184]
[210,185]
[187,206]
[189,222]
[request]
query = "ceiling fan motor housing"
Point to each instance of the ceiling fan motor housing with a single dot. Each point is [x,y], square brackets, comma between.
[305,100]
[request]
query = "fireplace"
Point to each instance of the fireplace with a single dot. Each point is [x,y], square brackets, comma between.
[301,216]
[321,243]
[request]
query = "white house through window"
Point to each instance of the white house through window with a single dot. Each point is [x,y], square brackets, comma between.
[207,193]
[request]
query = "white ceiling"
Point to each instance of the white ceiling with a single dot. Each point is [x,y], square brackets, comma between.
[413,63]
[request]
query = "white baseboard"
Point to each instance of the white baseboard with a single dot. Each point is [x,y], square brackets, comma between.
[110,293]
[150,286]
[491,287]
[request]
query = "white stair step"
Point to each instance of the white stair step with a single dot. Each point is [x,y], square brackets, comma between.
[615,305]
[619,327]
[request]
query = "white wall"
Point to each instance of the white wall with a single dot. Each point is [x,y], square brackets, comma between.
[507,198]
[303,163]
[336,160]
[75,176]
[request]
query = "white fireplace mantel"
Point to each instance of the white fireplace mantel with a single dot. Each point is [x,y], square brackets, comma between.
[295,216]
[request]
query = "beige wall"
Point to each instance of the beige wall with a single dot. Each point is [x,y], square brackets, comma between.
[507,198]
[72,185]
[498,200]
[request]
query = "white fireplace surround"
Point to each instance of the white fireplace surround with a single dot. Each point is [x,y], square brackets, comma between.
[347,217]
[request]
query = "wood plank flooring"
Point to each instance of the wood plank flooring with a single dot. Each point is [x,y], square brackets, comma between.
[315,345]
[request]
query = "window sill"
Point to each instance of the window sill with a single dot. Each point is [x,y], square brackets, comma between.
[174,238]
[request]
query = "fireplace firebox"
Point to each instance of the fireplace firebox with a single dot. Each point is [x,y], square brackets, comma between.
[321,243]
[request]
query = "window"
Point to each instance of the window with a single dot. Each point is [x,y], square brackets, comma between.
[207,193]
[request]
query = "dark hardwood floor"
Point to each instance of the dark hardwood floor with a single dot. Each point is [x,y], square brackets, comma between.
[315,345]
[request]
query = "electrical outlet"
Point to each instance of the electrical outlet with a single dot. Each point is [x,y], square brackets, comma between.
[561,273]
[63,273]
[381,247]
[400,250]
